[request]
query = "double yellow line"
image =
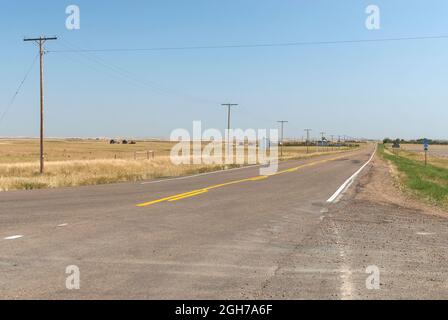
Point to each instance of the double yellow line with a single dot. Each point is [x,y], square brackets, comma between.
[197,192]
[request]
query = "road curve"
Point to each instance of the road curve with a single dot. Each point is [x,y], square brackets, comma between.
[225,235]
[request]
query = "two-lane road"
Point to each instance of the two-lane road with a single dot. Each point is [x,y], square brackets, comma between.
[224,235]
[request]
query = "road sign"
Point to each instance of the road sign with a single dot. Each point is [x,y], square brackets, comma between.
[426,144]
[426,147]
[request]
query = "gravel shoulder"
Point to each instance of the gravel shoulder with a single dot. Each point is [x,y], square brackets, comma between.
[376,224]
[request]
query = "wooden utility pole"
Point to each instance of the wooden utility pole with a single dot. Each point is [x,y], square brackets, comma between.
[323,135]
[229,110]
[322,140]
[41,42]
[282,122]
[307,140]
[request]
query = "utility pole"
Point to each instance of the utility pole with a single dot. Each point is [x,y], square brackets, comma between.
[282,122]
[323,135]
[308,139]
[229,110]
[41,42]
[322,139]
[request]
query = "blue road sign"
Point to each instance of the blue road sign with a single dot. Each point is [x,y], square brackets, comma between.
[426,144]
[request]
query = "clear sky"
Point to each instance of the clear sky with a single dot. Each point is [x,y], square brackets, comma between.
[394,89]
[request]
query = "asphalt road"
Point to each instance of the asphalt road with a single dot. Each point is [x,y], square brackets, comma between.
[219,236]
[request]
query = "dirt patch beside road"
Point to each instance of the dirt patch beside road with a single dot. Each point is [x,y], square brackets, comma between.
[376,224]
[381,184]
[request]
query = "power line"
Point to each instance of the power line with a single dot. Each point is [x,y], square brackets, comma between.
[259,45]
[13,99]
[128,76]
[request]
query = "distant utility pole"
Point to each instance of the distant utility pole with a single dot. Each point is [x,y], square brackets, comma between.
[323,135]
[229,110]
[41,42]
[282,122]
[308,139]
[322,139]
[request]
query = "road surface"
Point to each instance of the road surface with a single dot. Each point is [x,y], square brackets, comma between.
[227,235]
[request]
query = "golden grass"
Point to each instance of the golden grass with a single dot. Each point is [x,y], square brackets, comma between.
[90,172]
[89,162]
[436,155]
[27,150]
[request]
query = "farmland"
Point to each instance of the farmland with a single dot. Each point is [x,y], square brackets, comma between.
[72,162]
[434,150]
[428,182]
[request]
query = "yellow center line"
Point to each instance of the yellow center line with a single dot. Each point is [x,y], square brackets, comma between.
[197,192]
[188,195]
[259,178]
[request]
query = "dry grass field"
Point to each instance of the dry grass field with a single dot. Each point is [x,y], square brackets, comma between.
[427,182]
[434,150]
[89,162]
[437,154]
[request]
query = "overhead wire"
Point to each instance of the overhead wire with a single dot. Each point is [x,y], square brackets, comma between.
[128,76]
[260,45]
[19,88]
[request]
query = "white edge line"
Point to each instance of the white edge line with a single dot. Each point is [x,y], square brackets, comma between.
[350,180]
[13,237]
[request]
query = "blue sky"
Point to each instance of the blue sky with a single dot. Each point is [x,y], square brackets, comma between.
[395,89]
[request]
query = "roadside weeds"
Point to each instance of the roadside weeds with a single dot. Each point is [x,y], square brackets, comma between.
[428,184]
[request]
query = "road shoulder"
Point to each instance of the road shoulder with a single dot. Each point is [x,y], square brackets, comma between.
[377,225]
